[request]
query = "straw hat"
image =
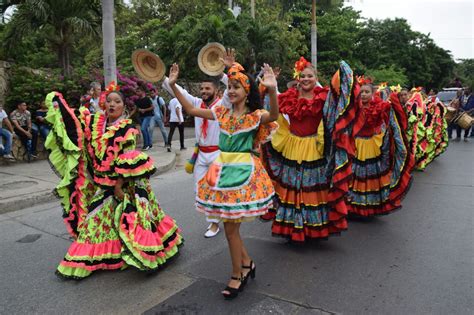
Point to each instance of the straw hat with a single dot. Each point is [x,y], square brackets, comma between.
[148,65]
[209,59]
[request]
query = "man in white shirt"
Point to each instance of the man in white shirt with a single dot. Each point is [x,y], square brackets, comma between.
[206,131]
[6,136]
[176,120]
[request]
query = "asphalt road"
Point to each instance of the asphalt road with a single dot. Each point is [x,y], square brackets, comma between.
[418,260]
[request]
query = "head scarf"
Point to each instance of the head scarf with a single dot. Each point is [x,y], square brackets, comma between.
[236,73]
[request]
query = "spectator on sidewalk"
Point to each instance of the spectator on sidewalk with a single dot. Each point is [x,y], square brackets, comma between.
[159,117]
[21,119]
[40,125]
[94,91]
[6,136]
[176,120]
[146,111]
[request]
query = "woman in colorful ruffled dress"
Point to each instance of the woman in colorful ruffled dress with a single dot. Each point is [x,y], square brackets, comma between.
[381,166]
[441,129]
[419,110]
[108,205]
[308,158]
[236,187]
[399,101]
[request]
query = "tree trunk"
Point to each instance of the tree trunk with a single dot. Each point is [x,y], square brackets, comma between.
[67,53]
[63,56]
[314,38]
[108,40]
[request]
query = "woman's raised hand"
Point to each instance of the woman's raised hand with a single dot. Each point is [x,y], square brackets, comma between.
[174,74]
[269,79]
[229,57]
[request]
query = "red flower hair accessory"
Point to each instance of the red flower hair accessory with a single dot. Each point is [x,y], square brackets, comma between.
[112,87]
[363,80]
[236,73]
[300,65]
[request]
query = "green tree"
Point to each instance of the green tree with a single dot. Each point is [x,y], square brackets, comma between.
[392,75]
[382,43]
[464,70]
[61,23]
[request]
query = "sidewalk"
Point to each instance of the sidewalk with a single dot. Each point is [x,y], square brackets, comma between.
[26,184]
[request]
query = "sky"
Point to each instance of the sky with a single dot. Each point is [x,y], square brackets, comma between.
[449,22]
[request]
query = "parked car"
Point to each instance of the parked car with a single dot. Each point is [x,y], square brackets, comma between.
[448,94]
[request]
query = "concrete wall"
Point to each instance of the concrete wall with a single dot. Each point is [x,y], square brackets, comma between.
[4,79]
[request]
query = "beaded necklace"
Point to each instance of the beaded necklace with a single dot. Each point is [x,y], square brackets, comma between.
[234,120]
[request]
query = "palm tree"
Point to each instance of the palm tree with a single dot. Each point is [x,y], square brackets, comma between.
[62,22]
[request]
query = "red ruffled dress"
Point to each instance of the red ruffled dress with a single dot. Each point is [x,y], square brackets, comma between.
[382,164]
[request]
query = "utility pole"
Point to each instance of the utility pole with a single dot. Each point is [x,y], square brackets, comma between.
[230,4]
[252,9]
[108,40]
[252,13]
[314,38]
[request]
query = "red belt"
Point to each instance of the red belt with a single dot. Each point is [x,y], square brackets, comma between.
[208,149]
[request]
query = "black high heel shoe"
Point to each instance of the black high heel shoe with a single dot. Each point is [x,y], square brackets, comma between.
[233,292]
[251,273]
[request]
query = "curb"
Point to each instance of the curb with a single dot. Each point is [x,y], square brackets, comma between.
[165,168]
[15,205]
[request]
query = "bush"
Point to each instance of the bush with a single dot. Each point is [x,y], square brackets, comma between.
[32,85]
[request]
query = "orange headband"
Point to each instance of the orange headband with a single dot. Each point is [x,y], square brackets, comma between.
[235,73]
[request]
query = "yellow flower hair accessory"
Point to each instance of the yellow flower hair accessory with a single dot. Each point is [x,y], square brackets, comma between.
[382,86]
[300,65]
[396,88]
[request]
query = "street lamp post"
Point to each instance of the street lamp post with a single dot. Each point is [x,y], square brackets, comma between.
[108,40]
[314,38]
[252,9]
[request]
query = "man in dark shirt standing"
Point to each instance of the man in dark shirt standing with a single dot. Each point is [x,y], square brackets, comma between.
[146,111]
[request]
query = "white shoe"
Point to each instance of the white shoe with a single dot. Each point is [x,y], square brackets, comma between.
[210,233]
[9,157]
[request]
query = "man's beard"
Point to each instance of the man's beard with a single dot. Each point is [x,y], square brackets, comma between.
[209,98]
